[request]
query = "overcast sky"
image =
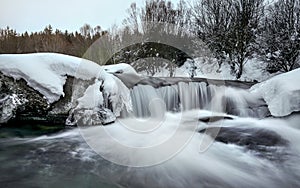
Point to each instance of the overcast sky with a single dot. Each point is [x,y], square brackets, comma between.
[34,15]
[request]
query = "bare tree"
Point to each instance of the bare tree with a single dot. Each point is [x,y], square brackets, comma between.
[158,19]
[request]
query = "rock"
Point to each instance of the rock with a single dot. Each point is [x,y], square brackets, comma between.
[89,117]
[257,108]
[18,98]
[8,107]
[214,118]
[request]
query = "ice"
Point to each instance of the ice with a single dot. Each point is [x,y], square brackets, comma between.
[281,93]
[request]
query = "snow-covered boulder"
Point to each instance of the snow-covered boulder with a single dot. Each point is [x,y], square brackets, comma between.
[47,74]
[281,93]
[121,68]
[8,106]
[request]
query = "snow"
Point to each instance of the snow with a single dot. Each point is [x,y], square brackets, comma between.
[91,98]
[281,93]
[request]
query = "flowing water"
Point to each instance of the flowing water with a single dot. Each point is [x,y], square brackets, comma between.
[247,152]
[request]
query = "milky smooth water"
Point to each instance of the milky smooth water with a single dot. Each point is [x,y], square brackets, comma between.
[66,160]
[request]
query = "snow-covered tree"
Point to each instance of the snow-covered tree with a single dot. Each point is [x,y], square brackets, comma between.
[280,37]
[228,28]
[212,21]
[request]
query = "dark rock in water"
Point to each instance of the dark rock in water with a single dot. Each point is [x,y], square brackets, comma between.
[214,118]
[265,143]
[106,116]
[100,116]
[257,108]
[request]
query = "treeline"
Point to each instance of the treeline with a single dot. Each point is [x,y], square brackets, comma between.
[72,43]
[231,31]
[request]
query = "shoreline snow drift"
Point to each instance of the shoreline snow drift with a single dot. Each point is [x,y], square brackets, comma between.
[281,93]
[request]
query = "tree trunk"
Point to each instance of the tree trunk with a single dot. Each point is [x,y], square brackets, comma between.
[240,71]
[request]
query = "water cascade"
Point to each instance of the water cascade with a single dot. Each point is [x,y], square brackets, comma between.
[183,96]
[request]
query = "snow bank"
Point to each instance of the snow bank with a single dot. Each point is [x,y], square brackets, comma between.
[281,93]
[254,69]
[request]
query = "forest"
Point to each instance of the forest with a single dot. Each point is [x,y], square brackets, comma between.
[233,31]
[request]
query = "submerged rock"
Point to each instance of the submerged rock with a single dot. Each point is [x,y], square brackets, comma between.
[215,118]
[265,143]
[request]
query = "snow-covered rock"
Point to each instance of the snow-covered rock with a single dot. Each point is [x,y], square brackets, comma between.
[47,74]
[281,93]
[8,106]
[121,68]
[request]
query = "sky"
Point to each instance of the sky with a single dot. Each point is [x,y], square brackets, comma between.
[35,15]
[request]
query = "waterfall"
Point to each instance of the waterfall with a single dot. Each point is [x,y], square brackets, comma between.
[193,95]
[183,96]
